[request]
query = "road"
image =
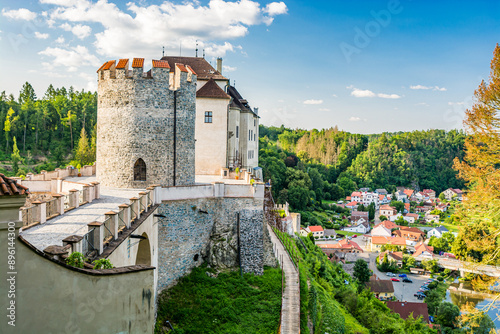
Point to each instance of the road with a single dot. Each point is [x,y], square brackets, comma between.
[402,291]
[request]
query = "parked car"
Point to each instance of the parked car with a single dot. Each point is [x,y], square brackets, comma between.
[390,274]
[402,275]
[395,279]
[407,280]
[419,296]
[349,238]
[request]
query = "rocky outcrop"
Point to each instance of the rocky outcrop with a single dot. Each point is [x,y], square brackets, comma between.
[222,248]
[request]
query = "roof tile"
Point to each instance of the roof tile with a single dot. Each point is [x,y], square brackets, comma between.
[212,90]
[9,187]
[109,64]
[122,63]
[138,62]
[160,64]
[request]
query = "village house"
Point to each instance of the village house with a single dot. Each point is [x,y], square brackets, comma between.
[431,218]
[377,242]
[421,209]
[422,250]
[411,218]
[430,193]
[381,191]
[317,231]
[344,245]
[330,233]
[437,232]
[405,309]
[451,193]
[409,193]
[360,226]
[365,197]
[383,199]
[382,289]
[357,215]
[381,231]
[401,196]
[352,205]
[410,233]
[395,257]
[387,210]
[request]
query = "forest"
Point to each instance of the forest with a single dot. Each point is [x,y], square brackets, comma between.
[307,167]
[46,133]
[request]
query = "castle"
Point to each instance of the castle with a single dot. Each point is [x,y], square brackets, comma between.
[144,209]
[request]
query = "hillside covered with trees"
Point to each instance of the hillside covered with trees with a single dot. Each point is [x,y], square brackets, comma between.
[47,132]
[308,167]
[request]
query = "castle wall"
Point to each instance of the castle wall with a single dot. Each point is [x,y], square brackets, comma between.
[206,229]
[135,119]
[54,298]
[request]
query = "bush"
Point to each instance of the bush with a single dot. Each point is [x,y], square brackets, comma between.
[102,264]
[76,259]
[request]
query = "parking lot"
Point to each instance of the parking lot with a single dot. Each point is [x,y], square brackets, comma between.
[402,291]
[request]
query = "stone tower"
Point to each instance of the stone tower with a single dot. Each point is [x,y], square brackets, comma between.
[145,124]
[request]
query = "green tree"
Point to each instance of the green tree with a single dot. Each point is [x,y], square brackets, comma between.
[361,271]
[382,218]
[15,156]
[83,153]
[442,197]
[447,314]
[298,197]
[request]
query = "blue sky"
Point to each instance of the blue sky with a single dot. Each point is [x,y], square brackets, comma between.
[365,66]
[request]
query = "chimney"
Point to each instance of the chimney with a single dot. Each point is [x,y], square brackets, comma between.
[219,65]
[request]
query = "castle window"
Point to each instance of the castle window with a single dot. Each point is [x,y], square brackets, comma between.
[208,117]
[237,131]
[140,170]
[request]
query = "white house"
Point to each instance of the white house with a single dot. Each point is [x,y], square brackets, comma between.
[317,231]
[361,226]
[401,196]
[437,232]
[386,210]
[381,231]
[450,194]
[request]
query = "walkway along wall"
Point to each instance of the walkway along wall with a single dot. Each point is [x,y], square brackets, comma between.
[51,297]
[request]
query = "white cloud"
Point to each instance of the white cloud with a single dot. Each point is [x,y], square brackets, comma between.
[456,103]
[356,119]
[422,104]
[91,81]
[59,40]
[356,92]
[228,68]
[79,30]
[19,14]
[334,95]
[276,8]
[313,101]
[39,35]
[71,58]
[388,96]
[442,89]
[324,109]
[148,27]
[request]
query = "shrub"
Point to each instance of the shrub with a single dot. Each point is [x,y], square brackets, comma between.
[76,259]
[102,264]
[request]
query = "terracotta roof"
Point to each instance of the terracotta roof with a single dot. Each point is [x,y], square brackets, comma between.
[352,203]
[181,67]
[378,286]
[387,224]
[421,247]
[457,191]
[387,207]
[315,228]
[138,62]
[191,69]
[102,66]
[342,244]
[408,192]
[109,64]
[411,229]
[160,64]
[9,187]
[356,193]
[398,256]
[379,240]
[200,66]
[404,309]
[122,63]
[381,197]
[212,90]
[414,215]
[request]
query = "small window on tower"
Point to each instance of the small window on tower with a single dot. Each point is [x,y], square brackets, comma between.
[208,117]
[140,170]
[237,131]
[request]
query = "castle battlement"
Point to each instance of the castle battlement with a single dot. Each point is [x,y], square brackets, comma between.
[160,71]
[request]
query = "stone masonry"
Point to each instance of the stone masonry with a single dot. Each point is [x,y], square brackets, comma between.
[135,119]
[198,230]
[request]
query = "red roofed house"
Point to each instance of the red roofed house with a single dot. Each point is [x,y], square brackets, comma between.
[387,210]
[409,192]
[450,193]
[429,192]
[317,231]
[352,205]
[378,242]
[423,250]
[411,218]
[344,245]
[356,196]
[396,257]
[404,309]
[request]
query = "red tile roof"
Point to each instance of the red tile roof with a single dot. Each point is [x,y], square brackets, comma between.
[122,63]
[212,90]
[404,309]
[387,224]
[408,192]
[342,244]
[352,203]
[379,286]
[138,62]
[160,64]
[9,187]
[102,66]
[191,69]
[181,67]
[421,247]
[109,64]
[379,240]
[315,228]
[356,193]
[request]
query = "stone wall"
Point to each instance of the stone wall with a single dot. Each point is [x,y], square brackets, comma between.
[135,119]
[206,229]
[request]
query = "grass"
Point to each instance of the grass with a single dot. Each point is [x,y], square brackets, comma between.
[450,227]
[225,304]
[348,233]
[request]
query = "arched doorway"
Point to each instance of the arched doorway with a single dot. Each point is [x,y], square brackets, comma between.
[144,251]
